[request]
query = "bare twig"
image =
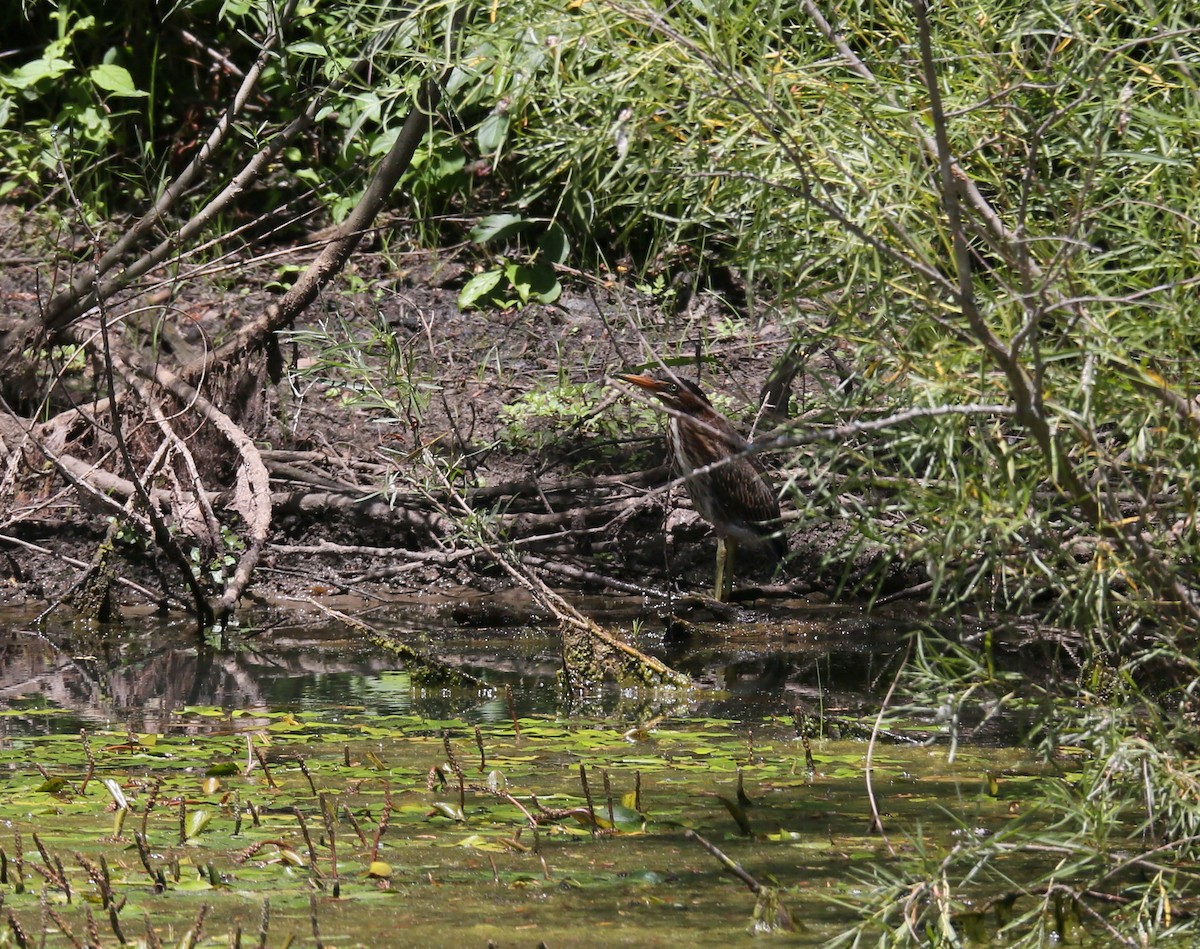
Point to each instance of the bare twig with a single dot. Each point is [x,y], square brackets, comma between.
[876,822]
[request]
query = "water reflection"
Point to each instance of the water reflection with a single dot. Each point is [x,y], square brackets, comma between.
[142,675]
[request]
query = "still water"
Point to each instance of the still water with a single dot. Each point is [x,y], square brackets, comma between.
[246,758]
[140,674]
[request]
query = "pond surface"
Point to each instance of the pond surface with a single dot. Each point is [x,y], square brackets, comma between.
[754,664]
[301,766]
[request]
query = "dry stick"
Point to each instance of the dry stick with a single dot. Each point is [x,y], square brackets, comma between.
[512,712]
[216,56]
[334,256]
[312,912]
[91,760]
[88,477]
[252,499]
[876,823]
[255,512]
[85,479]
[837,433]
[349,815]
[264,923]
[181,450]
[162,535]
[587,796]
[726,861]
[329,817]
[507,491]
[307,774]
[64,928]
[193,935]
[252,170]
[403,651]
[582,575]
[312,851]
[564,612]
[266,771]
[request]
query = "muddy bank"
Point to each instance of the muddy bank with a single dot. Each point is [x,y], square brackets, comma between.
[405,439]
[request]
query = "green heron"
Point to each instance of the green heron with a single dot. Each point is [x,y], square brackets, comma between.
[726,483]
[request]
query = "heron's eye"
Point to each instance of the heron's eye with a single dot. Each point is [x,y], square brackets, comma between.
[671,387]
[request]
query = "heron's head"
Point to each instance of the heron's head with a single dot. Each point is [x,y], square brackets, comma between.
[675,392]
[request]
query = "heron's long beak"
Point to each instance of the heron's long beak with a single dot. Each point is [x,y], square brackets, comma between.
[646,382]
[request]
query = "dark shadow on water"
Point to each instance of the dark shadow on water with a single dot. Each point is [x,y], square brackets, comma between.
[142,675]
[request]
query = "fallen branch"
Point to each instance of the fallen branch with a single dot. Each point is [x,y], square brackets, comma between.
[770,914]
[433,667]
[252,497]
[590,654]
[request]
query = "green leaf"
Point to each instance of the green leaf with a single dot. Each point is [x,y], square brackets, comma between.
[308,48]
[521,279]
[497,227]
[452,811]
[538,282]
[625,819]
[491,133]
[116,80]
[487,844]
[198,820]
[32,73]
[52,785]
[554,245]
[478,287]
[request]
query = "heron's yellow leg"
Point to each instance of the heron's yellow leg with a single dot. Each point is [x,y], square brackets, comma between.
[726,554]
